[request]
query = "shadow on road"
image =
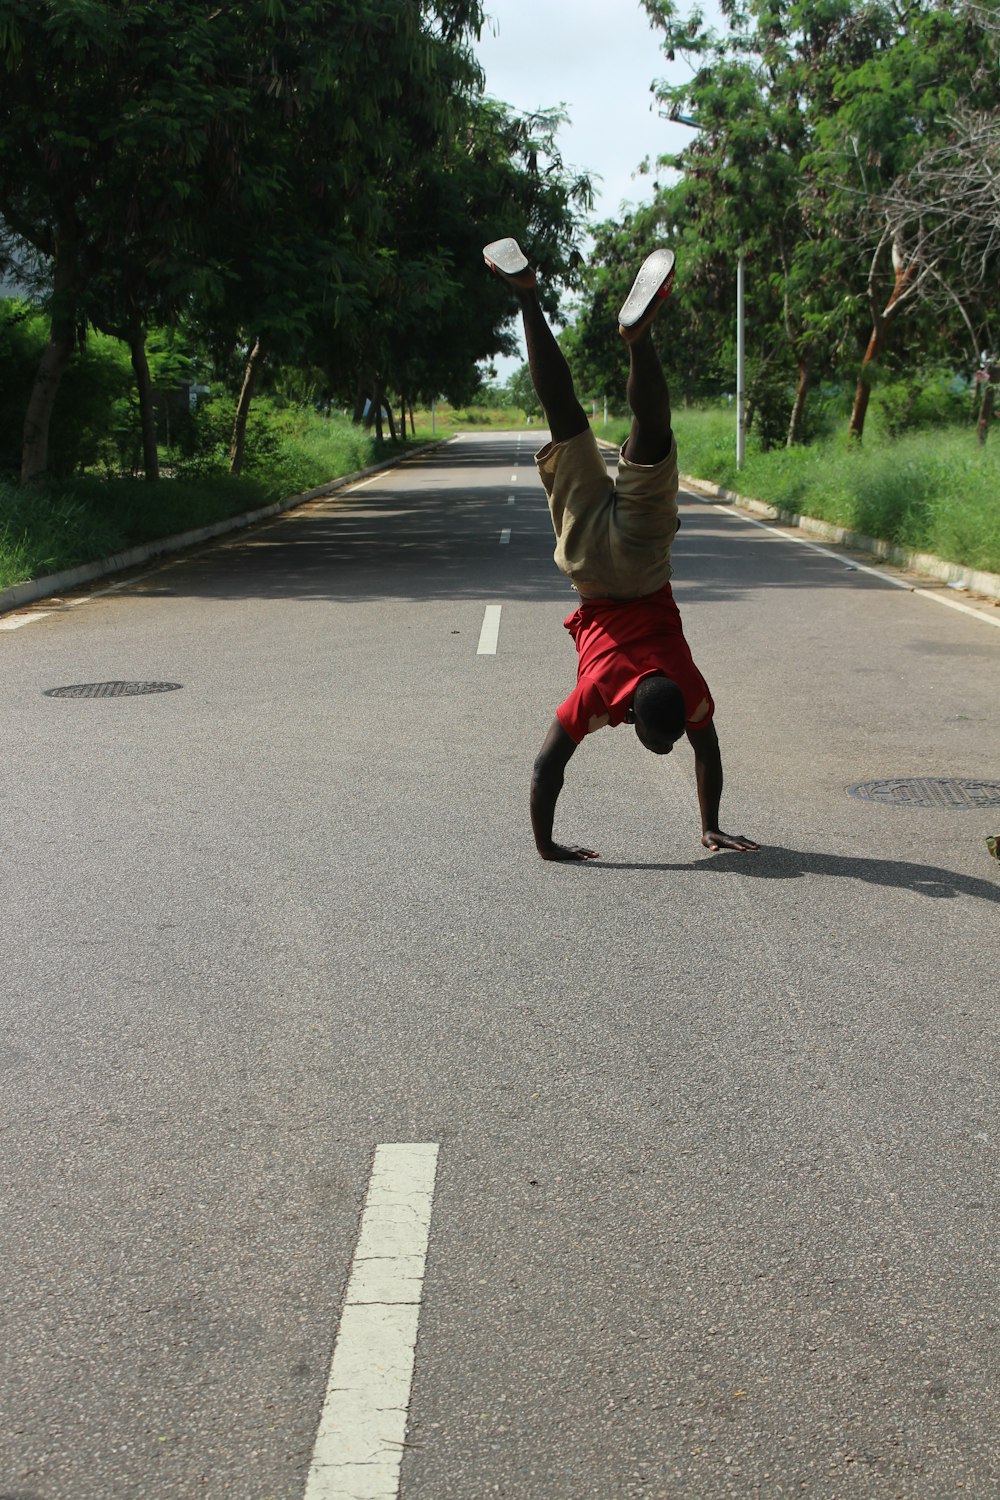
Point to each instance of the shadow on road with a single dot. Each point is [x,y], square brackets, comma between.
[439,543]
[431,530]
[776,863]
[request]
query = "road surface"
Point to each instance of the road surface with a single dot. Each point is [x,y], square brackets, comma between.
[706,1204]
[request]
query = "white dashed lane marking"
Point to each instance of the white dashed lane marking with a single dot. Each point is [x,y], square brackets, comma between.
[505,536]
[362,1429]
[490,633]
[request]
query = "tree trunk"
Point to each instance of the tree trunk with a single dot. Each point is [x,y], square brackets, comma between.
[413,425]
[402,418]
[38,417]
[359,404]
[147,411]
[392,419]
[55,357]
[876,344]
[986,405]
[863,391]
[796,425]
[377,408]
[237,447]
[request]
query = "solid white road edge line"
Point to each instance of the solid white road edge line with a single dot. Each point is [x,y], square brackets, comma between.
[897,583]
[362,1429]
[14,622]
[350,488]
[490,633]
[505,536]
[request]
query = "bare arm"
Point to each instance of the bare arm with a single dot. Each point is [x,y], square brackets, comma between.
[708,773]
[546,784]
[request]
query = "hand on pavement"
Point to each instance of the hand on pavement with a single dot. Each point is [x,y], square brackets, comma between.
[713,839]
[568,853]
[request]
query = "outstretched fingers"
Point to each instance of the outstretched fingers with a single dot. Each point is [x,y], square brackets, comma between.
[715,840]
[569,854]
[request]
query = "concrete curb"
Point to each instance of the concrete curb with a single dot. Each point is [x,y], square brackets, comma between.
[33,589]
[923,563]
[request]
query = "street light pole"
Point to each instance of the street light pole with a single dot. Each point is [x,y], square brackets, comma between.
[741,429]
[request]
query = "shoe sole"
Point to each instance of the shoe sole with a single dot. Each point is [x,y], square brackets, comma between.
[654,273]
[506,256]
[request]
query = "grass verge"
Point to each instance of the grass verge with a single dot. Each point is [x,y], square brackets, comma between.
[936,491]
[84,519]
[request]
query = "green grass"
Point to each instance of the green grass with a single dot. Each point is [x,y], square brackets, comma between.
[81,520]
[935,491]
[448,419]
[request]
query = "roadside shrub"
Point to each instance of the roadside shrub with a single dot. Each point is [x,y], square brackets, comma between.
[930,397]
[770,400]
[935,491]
[88,425]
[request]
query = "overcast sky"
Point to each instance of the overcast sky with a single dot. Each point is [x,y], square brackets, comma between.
[598,58]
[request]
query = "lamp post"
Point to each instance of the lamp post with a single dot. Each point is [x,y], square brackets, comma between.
[741,428]
[741,408]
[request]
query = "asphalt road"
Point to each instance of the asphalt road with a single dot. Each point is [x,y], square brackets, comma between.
[715,1204]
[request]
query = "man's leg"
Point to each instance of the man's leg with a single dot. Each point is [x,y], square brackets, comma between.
[550,374]
[649,441]
[649,399]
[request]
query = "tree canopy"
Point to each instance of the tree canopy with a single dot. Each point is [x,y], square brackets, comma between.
[301,179]
[828,141]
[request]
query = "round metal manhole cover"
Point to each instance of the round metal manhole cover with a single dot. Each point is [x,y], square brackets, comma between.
[111,689]
[929,791]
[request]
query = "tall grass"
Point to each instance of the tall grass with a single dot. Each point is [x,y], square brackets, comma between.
[936,491]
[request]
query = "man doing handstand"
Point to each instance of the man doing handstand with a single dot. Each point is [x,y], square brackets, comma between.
[613,541]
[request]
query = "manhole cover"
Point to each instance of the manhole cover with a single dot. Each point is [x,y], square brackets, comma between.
[929,791]
[110,689]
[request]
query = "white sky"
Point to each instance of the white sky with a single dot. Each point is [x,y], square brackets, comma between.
[598,58]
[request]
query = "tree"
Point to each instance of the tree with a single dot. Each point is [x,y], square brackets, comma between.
[808,111]
[440,315]
[892,110]
[314,283]
[151,172]
[104,123]
[948,209]
[740,191]
[521,392]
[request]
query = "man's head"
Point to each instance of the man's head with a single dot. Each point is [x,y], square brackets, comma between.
[658,713]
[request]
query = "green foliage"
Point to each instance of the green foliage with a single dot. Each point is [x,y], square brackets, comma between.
[808,113]
[937,492]
[520,392]
[770,400]
[95,417]
[923,398]
[313,179]
[88,517]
